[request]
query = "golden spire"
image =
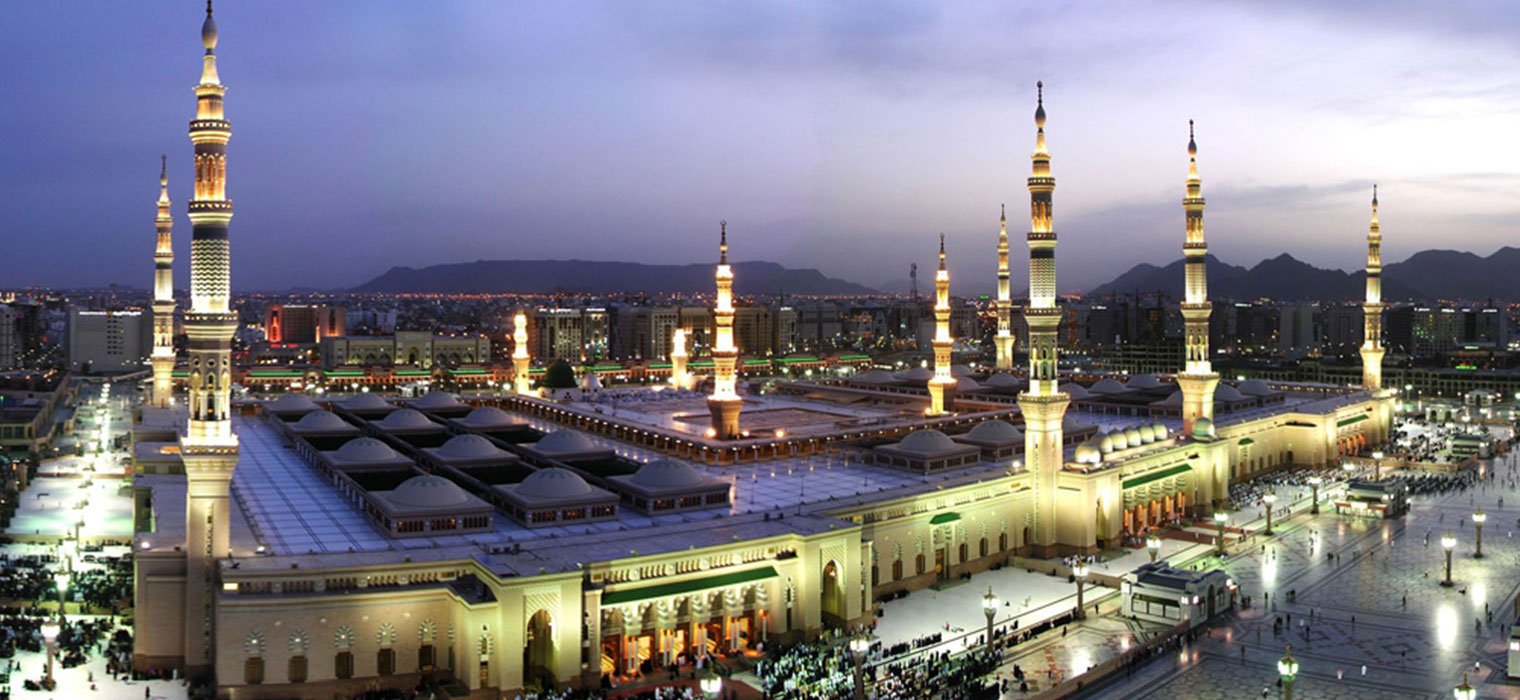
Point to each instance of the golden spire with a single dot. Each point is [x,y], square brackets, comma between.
[941,251]
[723,242]
[209,39]
[163,188]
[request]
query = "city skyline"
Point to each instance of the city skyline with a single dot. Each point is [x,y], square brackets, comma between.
[878,129]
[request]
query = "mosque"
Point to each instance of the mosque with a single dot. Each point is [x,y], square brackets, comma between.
[308,546]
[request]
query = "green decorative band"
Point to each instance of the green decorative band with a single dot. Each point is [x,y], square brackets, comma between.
[943,518]
[1351,421]
[732,578]
[1157,475]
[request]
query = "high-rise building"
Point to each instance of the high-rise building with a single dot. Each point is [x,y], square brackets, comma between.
[303,323]
[107,341]
[557,334]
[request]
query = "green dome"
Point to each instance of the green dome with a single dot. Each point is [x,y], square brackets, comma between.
[560,375]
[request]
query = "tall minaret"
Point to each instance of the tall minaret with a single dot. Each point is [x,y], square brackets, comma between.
[679,378]
[209,449]
[942,340]
[1004,339]
[163,296]
[1372,308]
[1197,379]
[724,404]
[1043,404]
[522,381]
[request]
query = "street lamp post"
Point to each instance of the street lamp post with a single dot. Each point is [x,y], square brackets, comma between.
[711,684]
[1448,543]
[1269,499]
[1479,518]
[1153,543]
[1314,483]
[1377,464]
[989,608]
[858,647]
[50,639]
[1221,518]
[1079,572]
[1287,667]
[1464,691]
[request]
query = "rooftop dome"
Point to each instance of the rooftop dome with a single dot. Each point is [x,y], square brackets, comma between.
[565,442]
[322,420]
[1105,443]
[1088,453]
[1132,436]
[560,375]
[1002,380]
[966,384]
[1254,387]
[366,449]
[469,447]
[1075,390]
[1203,429]
[995,431]
[960,371]
[406,419]
[364,402]
[875,376]
[554,482]
[1143,381]
[1147,436]
[1225,392]
[438,399]
[927,441]
[1172,400]
[917,374]
[487,417]
[428,491]
[1107,385]
[1120,440]
[667,474]
[590,382]
[1159,430]
[290,403]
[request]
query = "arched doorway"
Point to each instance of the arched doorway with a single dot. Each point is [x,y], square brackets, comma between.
[831,597]
[538,650]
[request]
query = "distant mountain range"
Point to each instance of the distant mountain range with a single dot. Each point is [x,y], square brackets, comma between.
[1427,275]
[593,277]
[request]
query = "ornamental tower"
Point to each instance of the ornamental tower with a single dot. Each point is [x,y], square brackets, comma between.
[678,376]
[1197,379]
[209,449]
[1372,308]
[1043,404]
[942,340]
[1003,341]
[522,381]
[724,404]
[163,296]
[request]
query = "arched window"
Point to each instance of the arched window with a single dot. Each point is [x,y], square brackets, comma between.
[918,563]
[896,569]
[982,549]
[297,670]
[385,662]
[253,670]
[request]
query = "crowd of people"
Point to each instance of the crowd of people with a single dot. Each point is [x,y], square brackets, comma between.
[1249,493]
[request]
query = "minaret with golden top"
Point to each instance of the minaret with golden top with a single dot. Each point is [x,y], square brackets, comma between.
[163,296]
[522,380]
[1372,307]
[209,449]
[941,381]
[1043,404]
[724,403]
[1003,341]
[1198,379]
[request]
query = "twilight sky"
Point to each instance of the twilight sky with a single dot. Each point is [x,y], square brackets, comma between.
[836,135]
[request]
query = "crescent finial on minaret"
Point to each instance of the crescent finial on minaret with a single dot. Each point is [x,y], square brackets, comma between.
[1039,110]
[1192,142]
[1003,212]
[723,242]
[1374,194]
[163,169]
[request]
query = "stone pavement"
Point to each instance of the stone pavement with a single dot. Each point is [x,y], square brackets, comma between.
[1372,588]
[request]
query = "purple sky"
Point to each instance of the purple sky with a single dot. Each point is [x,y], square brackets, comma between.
[840,135]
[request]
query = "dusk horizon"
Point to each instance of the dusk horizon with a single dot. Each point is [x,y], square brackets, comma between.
[521,133]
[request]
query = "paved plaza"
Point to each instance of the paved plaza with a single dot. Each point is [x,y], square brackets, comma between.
[1373,590]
